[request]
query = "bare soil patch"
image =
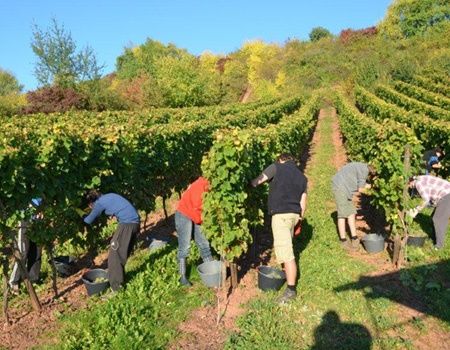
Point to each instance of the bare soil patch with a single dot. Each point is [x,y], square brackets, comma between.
[28,328]
[202,330]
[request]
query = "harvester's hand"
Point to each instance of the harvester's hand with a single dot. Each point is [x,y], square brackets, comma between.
[412,212]
[80,212]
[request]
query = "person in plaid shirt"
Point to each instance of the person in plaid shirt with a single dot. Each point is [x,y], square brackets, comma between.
[434,191]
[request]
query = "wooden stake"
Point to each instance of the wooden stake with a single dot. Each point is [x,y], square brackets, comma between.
[224,273]
[234,277]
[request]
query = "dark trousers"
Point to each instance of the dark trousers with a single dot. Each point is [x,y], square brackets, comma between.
[119,250]
[440,220]
[31,255]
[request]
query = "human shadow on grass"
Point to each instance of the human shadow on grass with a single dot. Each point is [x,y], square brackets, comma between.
[423,288]
[332,333]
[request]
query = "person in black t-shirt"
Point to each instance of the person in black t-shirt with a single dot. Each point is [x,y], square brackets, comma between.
[287,204]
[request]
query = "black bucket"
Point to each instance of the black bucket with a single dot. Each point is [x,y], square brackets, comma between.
[373,242]
[93,287]
[416,241]
[270,278]
[65,265]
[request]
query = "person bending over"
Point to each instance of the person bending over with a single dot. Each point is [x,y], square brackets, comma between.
[188,220]
[348,181]
[124,237]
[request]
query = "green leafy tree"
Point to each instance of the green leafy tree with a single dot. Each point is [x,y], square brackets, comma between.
[59,61]
[318,33]
[178,82]
[406,18]
[234,76]
[141,59]
[8,83]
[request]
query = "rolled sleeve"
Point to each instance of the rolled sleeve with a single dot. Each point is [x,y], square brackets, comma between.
[96,211]
[270,171]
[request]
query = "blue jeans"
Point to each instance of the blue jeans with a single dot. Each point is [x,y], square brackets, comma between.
[184,227]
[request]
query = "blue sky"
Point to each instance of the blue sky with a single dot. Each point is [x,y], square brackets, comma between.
[197,25]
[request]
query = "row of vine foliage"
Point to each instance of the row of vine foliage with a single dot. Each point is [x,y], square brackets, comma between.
[383,145]
[439,78]
[422,94]
[58,160]
[232,206]
[430,132]
[431,85]
[390,95]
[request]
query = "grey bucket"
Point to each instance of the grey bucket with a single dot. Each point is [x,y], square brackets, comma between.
[65,265]
[373,242]
[416,241]
[89,278]
[270,278]
[211,273]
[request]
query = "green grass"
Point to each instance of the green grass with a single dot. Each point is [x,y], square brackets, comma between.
[334,301]
[144,315]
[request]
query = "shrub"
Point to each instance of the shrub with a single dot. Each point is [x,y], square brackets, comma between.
[348,35]
[12,104]
[54,99]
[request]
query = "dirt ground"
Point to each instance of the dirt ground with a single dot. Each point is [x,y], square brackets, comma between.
[27,327]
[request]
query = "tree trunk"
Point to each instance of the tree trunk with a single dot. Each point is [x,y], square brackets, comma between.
[164,207]
[402,214]
[147,214]
[52,264]
[24,273]
[5,288]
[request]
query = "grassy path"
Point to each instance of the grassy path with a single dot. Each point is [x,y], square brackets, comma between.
[332,310]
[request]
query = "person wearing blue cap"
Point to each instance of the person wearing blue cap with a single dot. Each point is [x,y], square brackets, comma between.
[30,251]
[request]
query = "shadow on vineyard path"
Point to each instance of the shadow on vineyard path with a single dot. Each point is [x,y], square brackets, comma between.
[370,220]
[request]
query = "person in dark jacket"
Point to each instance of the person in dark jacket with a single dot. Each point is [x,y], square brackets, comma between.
[287,204]
[125,235]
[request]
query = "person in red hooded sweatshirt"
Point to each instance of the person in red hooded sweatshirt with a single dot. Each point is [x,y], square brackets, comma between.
[188,220]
